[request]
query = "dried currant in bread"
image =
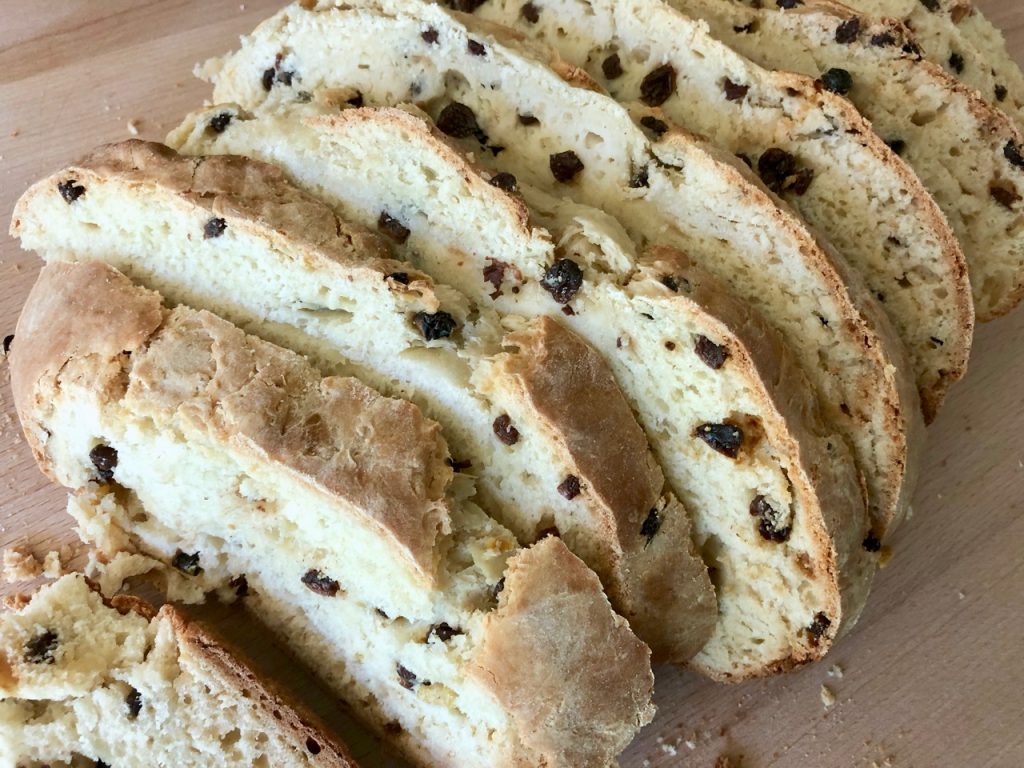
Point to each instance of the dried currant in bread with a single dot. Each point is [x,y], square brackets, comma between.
[654,125]
[530,12]
[458,121]
[504,430]
[725,438]
[476,48]
[779,171]
[658,85]
[1001,92]
[240,584]
[215,227]
[651,526]
[734,91]
[565,166]
[436,325]
[871,542]
[187,563]
[770,524]
[406,678]
[787,5]
[392,227]
[563,280]
[528,120]
[570,487]
[1004,193]
[713,355]
[8,340]
[317,581]
[612,67]
[219,122]
[640,179]
[848,31]
[70,190]
[40,649]
[104,459]
[133,701]
[1012,153]
[429,35]
[956,62]
[818,628]
[505,181]
[837,81]
[443,632]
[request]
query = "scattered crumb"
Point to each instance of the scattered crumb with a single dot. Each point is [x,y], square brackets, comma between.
[20,564]
[828,698]
[884,557]
[960,595]
[836,671]
[133,126]
[55,562]
[16,601]
[241,6]
[15,133]
[690,744]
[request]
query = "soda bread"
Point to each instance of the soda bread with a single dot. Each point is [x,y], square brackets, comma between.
[686,355]
[885,225]
[331,508]
[118,683]
[519,404]
[551,127]
[969,154]
[956,36]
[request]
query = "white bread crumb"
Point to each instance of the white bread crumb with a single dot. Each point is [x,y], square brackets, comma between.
[20,564]
[828,698]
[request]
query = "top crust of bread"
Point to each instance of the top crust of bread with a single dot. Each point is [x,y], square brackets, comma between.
[80,318]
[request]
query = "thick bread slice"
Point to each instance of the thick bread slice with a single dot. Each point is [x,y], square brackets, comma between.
[682,350]
[956,36]
[884,223]
[523,410]
[227,456]
[524,118]
[119,684]
[969,154]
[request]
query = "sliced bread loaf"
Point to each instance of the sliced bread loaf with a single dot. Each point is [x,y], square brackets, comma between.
[885,224]
[969,154]
[116,683]
[528,408]
[559,132]
[775,498]
[956,36]
[236,462]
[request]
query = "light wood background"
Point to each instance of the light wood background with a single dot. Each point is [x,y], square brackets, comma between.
[932,677]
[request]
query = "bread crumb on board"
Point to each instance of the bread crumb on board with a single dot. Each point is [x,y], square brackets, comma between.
[835,671]
[19,564]
[133,126]
[828,697]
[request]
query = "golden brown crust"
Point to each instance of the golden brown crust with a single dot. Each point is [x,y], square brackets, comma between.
[664,590]
[279,710]
[525,660]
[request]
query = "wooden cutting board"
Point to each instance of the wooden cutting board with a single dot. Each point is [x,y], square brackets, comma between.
[933,675]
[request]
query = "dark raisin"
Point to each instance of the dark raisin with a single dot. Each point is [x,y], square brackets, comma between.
[268,79]
[734,91]
[498,588]
[654,125]
[640,179]
[240,584]
[956,62]
[670,282]
[568,311]
[134,703]
[912,48]
[494,273]
[724,438]
[429,35]
[406,678]
[612,67]
[104,459]
[400,277]
[438,325]
[355,101]
[931,5]
[848,31]
[670,346]
[466,6]
[214,228]
[8,340]
[313,746]
[392,227]
[871,542]
[818,628]
[319,582]
[1012,153]
[528,120]
[883,39]
[838,81]
[788,4]
[186,563]
[476,48]
[563,280]
[70,190]
[897,145]
[443,632]
[713,355]
[504,430]
[40,649]
[530,12]
[570,487]
[658,85]
[1004,194]
[1001,93]
[745,29]
[505,181]
[458,121]
[769,524]
[565,165]
[100,764]
[778,169]
[458,465]
[218,123]
[651,525]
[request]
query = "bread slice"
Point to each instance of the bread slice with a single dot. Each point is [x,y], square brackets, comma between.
[684,352]
[117,683]
[236,462]
[956,36]
[522,117]
[968,154]
[527,407]
[885,224]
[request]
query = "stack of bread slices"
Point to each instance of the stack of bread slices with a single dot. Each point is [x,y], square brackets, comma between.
[488,351]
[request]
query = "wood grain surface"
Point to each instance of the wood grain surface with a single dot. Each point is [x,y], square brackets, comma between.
[931,677]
